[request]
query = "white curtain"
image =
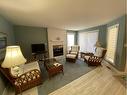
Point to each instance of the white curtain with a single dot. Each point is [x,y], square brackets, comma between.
[87,41]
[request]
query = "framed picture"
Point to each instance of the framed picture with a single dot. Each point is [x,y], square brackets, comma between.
[3,44]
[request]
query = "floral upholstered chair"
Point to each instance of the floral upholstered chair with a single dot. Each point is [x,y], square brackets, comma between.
[73,54]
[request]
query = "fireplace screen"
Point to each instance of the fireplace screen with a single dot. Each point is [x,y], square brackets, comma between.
[57,50]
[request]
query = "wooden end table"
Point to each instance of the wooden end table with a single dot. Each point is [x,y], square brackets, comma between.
[83,54]
[53,67]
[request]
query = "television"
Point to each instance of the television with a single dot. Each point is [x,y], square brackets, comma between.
[38,48]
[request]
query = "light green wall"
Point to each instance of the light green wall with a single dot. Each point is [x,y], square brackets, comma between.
[5,27]
[26,35]
[102,33]
[120,51]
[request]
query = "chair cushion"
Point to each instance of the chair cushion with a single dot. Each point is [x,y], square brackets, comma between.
[87,57]
[98,52]
[73,56]
[30,66]
[75,48]
[74,53]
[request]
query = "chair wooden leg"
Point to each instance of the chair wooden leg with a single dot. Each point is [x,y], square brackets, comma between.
[62,72]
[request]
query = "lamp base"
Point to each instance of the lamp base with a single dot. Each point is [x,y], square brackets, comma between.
[16,71]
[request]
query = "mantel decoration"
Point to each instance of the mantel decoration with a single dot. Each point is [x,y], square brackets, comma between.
[13,59]
[58,38]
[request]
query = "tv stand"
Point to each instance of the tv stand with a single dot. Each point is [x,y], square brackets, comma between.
[40,55]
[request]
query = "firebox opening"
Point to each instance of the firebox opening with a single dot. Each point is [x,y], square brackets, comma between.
[57,50]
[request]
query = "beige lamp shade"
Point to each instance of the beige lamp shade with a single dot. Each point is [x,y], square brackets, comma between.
[13,57]
[98,44]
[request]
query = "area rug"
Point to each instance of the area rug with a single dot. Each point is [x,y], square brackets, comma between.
[72,71]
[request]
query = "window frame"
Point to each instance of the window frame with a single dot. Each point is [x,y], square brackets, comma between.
[70,33]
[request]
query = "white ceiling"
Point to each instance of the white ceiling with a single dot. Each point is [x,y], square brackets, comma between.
[63,14]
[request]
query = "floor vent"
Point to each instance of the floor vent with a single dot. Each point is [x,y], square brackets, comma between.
[108,67]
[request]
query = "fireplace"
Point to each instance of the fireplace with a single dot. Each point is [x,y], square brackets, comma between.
[57,50]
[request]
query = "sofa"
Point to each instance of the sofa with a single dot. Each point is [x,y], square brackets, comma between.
[30,77]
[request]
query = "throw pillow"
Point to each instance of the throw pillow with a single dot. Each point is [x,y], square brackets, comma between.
[99,52]
[74,48]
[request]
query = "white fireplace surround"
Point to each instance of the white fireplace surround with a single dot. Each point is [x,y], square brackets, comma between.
[56,37]
[52,43]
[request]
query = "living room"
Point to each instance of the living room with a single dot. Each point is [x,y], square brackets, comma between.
[64,27]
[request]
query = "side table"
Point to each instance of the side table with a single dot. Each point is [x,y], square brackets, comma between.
[53,67]
[83,54]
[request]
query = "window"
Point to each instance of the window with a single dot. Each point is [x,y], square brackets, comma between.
[112,43]
[70,39]
[87,41]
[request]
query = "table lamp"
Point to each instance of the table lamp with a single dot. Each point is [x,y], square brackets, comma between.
[97,44]
[13,59]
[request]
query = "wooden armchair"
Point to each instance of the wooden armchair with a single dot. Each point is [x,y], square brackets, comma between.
[25,81]
[96,58]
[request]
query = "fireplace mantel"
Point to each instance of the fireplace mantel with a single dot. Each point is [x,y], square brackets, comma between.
[55,41]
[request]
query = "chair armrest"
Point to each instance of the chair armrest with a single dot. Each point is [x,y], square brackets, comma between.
[94,59]
[27,77]
[83,54]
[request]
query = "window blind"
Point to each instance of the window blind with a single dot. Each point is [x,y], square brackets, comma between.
[87,40]
[112,43]
[70,40]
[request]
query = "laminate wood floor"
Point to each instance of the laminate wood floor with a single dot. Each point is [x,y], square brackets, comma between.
[100,81]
